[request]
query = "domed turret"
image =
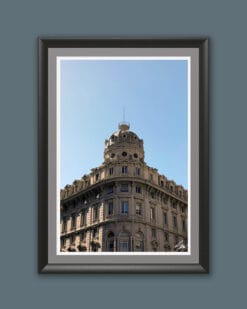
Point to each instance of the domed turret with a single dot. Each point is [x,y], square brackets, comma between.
[124,145]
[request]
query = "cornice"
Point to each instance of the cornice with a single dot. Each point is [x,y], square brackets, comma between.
[99,186]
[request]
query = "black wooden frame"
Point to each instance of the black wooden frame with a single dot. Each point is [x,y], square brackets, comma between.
[44,45]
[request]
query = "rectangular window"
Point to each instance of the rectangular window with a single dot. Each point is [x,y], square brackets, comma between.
[184,225]
[153,233]
[151,177]
[123,246]
[124,169]
[174,205]
[72,239]
[138,209]
[110,208]
[152,213]
[124,207]
[111,170]
[95,233]
[83,236]
[97,177]
[138,172]
[73,222]
[96,213]
[64,228]
[175,221]
[138,189]
[164,218]
[83,217]
[176,239]
[124,187]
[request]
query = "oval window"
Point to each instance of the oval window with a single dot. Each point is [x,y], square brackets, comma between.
[112,155]
[124,154]
[135,155]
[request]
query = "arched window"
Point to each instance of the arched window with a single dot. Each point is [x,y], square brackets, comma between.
[82,248]
[110,241]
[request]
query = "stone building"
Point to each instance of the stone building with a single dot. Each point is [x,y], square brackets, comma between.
[124,204]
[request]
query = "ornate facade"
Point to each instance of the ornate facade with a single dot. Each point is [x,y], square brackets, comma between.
[123,205]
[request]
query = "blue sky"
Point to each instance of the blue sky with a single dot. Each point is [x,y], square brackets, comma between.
[93,95]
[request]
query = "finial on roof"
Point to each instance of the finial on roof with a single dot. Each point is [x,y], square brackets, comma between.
[124,126]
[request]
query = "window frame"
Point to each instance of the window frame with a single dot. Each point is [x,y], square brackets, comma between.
[123,205]
[124,169]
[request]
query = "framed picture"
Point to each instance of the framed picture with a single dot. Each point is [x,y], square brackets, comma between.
[123,155]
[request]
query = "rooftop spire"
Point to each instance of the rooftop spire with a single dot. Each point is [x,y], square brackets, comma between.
[123,114]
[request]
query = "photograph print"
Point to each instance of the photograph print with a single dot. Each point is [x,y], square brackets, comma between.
[123,164]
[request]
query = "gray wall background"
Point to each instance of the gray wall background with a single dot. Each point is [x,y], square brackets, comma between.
[21,22]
